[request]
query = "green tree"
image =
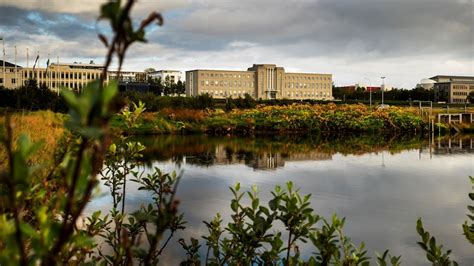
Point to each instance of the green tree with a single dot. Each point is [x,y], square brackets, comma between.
[149,70]
[470,97]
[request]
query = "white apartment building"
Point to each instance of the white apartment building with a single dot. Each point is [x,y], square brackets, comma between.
[172,76]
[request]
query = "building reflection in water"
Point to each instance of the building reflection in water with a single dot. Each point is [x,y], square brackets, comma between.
[264,153]
[448,145]
[454,145]
[265,160]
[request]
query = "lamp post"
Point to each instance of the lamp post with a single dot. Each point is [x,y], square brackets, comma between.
[370,93]
[383,88]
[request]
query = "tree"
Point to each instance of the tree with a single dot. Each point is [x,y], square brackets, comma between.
[180,87]
[149,70]
[470,97]
[156,86]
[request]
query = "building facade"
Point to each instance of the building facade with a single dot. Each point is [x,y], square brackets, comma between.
[263,81]
[127,76]
[172,76]
[74,76]
[452,89]
[11,77]
[55,76]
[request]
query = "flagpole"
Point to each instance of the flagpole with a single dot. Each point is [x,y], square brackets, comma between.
[57,75]
[47,72]
[16,73]
[4,78]
[27,64]
[37,72]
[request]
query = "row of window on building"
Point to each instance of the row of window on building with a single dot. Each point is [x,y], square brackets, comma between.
[62,75]
[228,93]
[225,75]
[75,85]
[248,84]
[297,94]
[13,80]
[290,77]
[291,85]
[72,85]
[460,87]
[460,93]
[462,100]
[312,94]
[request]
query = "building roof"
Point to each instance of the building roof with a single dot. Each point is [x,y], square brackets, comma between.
[427,81]
[76,65]
[456,82]
[221,70]
[452,77]
[8,64]
[164,70]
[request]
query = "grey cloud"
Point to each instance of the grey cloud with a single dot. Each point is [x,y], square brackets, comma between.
[409,40]
[385,27]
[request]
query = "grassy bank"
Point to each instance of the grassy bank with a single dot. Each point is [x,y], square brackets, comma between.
[279,119]
[46,127]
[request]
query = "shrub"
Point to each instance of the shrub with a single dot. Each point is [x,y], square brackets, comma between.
[187,115]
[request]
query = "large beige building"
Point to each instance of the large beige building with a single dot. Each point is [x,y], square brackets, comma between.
[74,76]
[452,89]
[265,81]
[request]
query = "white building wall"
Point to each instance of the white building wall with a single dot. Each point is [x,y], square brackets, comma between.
[173,75]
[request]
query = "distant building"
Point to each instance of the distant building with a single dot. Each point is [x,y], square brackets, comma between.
[74,76]
[265,81]
[12,77]
[127,76]
[172,76]
[452,89]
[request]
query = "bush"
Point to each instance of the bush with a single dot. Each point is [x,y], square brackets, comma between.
[185,115]
[32,97]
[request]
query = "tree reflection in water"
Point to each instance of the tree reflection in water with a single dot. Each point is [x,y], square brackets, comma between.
[271,152]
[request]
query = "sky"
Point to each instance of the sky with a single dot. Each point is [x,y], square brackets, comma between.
[356,41]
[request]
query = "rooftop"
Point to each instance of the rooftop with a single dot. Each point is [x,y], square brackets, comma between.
[452,77]
[8,64]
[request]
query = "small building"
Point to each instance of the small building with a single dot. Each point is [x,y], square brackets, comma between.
[452,89]
[172,76]
[127,76]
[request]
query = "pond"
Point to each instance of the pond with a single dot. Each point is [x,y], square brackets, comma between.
[381,184]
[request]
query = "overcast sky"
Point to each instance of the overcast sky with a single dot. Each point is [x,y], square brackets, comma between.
[404,40]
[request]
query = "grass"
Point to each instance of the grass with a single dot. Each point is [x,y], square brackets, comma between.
[47,126]
[41,126]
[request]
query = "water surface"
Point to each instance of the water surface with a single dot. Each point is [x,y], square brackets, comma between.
[381,184]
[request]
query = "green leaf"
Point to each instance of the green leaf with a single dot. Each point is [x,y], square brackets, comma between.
[27,229]
[110,91]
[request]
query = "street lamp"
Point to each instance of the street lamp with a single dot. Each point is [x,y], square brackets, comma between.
[383,88]
[370,93]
